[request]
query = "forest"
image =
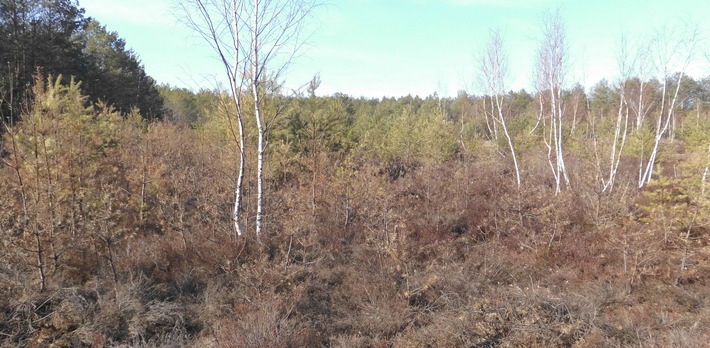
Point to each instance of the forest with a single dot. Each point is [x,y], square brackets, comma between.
[134,214]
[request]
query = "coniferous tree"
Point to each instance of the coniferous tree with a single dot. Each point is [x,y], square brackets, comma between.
[54,38]
[114,74]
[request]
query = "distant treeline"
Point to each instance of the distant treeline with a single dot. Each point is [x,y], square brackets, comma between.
[55,38]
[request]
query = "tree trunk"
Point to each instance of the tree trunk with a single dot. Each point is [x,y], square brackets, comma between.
[256,72]
[510,141]
[40,261]
[616,158]
[236,99]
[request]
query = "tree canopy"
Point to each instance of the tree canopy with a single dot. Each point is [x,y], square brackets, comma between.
[55,38]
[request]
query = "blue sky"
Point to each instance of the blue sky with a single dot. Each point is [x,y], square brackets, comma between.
[376,48]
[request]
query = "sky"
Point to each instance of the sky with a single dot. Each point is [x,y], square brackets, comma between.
[392,48]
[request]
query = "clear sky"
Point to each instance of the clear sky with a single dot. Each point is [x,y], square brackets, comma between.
[376,48]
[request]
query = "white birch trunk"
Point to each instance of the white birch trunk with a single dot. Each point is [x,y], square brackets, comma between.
[616,158]
[549,142]
[556,127]
[488,122]
[273,27]
[640,114]
[256,72]
[560,157]
[667,52]
[540,115]
[550,74]
[495,125]
[661,129]
[215,22]
[509,139]
[236,98]
[236,213]
[493,71]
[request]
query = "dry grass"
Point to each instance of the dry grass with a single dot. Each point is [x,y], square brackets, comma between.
[448,255]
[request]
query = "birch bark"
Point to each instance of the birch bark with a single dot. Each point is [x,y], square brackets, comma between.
[552,61]
[493,67]
[670,55]
[248,37]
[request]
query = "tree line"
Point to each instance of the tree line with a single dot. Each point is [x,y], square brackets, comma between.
[55,38]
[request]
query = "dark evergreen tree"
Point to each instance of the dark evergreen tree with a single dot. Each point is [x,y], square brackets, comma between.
[36,37]
[52,37]
[114,74]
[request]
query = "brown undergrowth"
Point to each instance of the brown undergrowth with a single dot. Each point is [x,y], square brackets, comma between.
[444,255]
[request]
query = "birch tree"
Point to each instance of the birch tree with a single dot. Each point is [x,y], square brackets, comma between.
[638,98]
[494,69]
[670,54]
[622,118]
[251,38]
[551,66]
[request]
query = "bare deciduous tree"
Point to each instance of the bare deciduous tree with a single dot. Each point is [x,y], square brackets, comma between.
[250,37]
[551,67]
[622,117]
[671,53]
[494,69]
[639,67]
